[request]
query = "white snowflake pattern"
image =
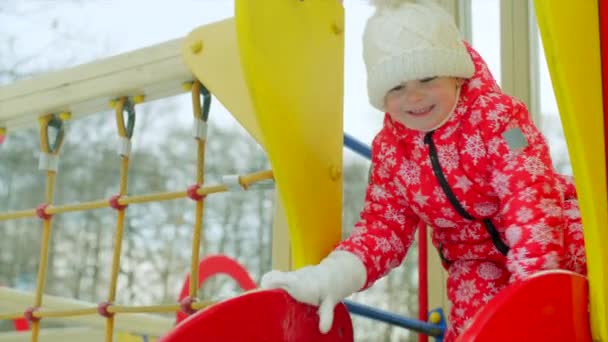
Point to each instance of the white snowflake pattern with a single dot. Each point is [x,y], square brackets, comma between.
[387,153]
[460,312]
[463,236]
[489,271]
[500,182]
[485,209]
[524,215]
[459,270]
[475,117]
[448,132]
[495,114]
[439,195]
[424,217]
[519,263]
[483,101]
[513,235]
[410,172]
[467,289]
[492,289]
[551,261]
[444,223]
[527,194]
[550,207]
[510,162]
[520,185]
[475,83]
[397,244]
[392,215]
[448,157]
[420,199]
[474,147]
[377,225]
[358,239]
[376,262]
[382,245]
[576,258]
[447,212]
[378,193]
[487,296]
[575,231]
[534,166]
[543,235]
[360,228]
[494,146]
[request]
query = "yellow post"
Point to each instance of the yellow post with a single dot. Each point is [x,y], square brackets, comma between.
[573,57]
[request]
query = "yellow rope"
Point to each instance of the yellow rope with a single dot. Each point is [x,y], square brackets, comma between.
[200,179]
[11,316]
[144,309]
[120,220]
[165,196]
[42,268]
[77,207]
[115,309]
[46,226]
[255,177]
[65,313]
[44,251]
[245,180]
[17,214]
[116,256]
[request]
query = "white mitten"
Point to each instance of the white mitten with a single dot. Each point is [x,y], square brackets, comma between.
[324,285]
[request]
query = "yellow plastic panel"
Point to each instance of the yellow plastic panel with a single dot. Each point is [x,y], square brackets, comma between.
[292,53]
[570,34]
[210,52]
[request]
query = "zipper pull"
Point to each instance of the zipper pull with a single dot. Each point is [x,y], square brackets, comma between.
[428,138]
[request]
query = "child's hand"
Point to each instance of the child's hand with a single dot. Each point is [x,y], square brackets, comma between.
[323,285]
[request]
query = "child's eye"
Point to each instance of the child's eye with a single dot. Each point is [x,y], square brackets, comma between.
[397,88]
[426,80]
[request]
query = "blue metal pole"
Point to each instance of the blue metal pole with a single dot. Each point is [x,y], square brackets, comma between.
[357,146]
[388,317]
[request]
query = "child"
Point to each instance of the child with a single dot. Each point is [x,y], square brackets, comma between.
[456,153]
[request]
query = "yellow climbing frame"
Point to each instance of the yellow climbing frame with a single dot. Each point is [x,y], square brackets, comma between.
[570,34]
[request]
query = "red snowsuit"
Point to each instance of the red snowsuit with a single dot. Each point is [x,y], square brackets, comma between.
[497,166]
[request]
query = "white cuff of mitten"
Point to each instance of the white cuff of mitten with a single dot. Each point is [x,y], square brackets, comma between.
[338,276]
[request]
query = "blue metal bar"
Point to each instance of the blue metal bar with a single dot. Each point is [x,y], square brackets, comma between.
[429,329]
[357,146]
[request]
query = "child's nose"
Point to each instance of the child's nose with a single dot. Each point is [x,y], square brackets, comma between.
[413,95]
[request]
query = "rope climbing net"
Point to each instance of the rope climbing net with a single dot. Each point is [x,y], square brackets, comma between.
[51,139]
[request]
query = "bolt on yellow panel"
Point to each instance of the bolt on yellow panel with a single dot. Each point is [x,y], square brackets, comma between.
[211,53]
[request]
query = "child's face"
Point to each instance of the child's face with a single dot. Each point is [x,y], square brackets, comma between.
[423,104]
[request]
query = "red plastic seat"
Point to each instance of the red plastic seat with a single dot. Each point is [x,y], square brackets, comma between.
[551,306]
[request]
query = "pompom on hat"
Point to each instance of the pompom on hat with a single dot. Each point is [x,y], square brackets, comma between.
[411,40]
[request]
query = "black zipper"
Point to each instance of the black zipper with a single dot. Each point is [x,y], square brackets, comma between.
[496,240]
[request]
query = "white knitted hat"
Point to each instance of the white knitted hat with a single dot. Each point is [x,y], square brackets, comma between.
[409,40]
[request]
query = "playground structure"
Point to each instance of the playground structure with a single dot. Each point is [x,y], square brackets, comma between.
[230,59]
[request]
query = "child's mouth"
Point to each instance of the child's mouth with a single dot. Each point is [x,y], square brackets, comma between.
[421,111]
